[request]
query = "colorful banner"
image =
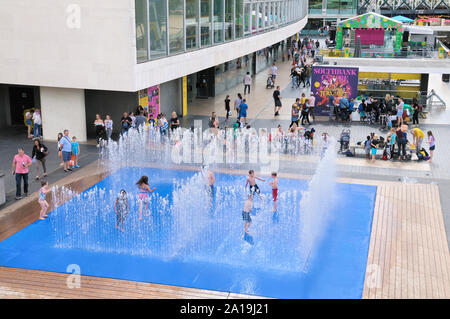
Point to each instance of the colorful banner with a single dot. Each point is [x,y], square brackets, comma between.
[327,80]
[149,100]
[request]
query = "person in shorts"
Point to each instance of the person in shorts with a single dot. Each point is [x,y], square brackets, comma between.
[277,100]
[121,208]
[274,184]
[246,213]
[251,179]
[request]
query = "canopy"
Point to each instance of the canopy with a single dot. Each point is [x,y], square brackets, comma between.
[403,19]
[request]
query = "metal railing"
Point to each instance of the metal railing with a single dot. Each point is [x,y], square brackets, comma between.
[425,53]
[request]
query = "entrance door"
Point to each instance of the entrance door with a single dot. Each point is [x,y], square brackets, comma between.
[20,99]
[206,83]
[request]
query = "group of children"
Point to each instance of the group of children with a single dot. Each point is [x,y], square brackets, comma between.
[254,189]
[121,206]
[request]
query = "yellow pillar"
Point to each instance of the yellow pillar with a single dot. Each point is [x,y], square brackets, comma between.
[185,110]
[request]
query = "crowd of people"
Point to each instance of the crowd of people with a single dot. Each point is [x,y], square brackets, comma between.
[395,144]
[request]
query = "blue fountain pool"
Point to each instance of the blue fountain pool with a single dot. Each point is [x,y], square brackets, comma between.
[195,249]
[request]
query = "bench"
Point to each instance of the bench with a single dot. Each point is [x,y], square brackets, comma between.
[354,147]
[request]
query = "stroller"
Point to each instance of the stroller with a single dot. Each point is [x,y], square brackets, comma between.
[344,140]
[270,84]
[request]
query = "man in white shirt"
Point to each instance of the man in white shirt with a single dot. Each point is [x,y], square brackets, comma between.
[274,72]
[247,81]
[37,120]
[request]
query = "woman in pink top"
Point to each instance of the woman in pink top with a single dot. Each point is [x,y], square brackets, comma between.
[20,165]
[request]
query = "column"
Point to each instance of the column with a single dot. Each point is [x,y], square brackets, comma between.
[63,109]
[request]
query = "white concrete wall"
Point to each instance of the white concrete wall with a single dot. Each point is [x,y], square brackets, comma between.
[42,44]
[63,109]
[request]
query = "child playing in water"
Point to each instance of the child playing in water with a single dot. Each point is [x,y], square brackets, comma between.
[42,202]
[274,184]
[246,213]
[144,191]
[121,209]
[251,179]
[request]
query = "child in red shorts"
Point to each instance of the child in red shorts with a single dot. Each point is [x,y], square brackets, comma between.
[274,184]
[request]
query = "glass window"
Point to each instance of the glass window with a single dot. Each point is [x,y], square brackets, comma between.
[229,19]
[315,6]
[141,30]
[191,24]
[205,21]
[247,18]
[158,28]
[176,26]
[218,21]
[260,14]
[239,23]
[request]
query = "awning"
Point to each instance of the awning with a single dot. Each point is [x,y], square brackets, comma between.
[403,19]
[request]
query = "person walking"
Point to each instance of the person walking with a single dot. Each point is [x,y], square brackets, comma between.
[295,112]
[237,105]
[37,120]
[99,128]
[243,110]
[247,82]
[108,126]
[277,100]
[305,112]
[227,107]
[40,152]
[20,165]
[274,71]
[66,149]
[29,123]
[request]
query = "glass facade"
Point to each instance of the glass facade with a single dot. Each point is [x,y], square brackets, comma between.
[344,7]
[167,27]
[141,31]
[176,26]
[205,20]
[192,29]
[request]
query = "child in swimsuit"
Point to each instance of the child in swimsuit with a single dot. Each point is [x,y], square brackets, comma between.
[251,179]
[274,184]
[42,202]
[246,213]
[121,208]
[144,191]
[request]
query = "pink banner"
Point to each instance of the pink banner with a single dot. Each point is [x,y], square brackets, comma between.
[370,36]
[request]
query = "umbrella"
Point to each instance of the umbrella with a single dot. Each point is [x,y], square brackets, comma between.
[403,19]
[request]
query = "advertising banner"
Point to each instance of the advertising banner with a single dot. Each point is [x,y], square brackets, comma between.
[149,100]
[327,80]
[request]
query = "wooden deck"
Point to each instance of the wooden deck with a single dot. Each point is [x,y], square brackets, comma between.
[27,284]
[408,254]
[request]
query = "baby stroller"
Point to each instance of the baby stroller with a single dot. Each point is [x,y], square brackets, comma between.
[270,84]
[344,140]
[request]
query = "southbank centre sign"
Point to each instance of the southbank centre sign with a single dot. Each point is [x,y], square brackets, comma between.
[338,81]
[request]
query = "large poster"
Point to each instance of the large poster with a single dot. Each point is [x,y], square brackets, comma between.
[149,100]
[327,80]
